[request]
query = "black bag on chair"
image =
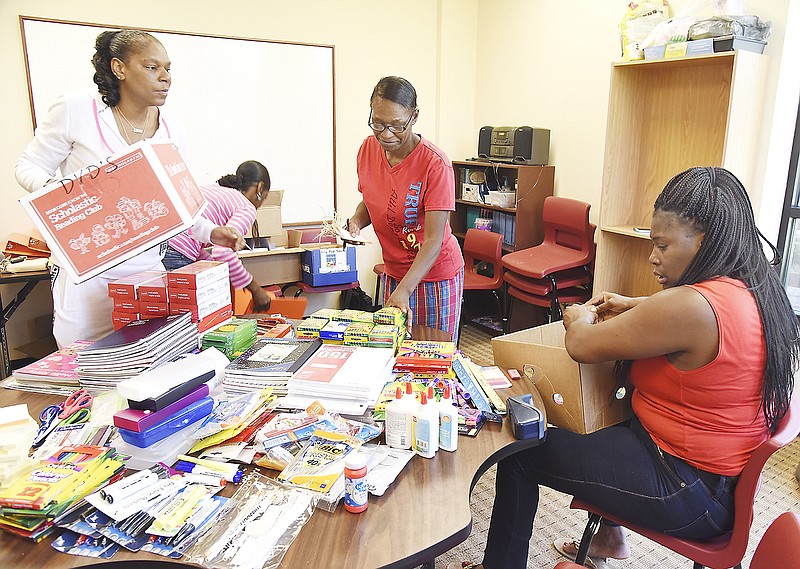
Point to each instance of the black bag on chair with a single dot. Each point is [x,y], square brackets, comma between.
[357,299]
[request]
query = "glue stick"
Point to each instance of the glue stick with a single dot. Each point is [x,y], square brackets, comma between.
[448,422]
[425,428]
[398,422]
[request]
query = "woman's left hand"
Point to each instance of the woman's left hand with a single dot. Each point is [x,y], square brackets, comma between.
[226,236]
[579,313]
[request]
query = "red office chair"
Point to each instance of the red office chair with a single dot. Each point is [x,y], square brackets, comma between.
[779,546]
[724,551]
[482,249]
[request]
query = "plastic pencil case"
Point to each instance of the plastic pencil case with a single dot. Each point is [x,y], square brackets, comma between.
[140,420]
[171,396]
[189,415]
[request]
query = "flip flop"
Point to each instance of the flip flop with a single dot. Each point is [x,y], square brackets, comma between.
[592,562]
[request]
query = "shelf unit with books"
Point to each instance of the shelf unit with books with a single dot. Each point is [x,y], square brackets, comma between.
[665,116]
[522,224]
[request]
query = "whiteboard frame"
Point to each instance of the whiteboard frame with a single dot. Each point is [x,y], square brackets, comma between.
[293,132]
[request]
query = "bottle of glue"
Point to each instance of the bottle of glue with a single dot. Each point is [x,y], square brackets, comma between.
[448,422]
[355,482]
[426,428]
[398,421]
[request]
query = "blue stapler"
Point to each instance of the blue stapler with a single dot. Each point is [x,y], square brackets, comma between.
[527,421]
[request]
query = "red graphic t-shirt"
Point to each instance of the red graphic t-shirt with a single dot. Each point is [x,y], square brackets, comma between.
[397,199]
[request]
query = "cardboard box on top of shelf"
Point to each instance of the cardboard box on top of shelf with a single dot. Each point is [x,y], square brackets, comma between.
[578,397]
[270,222]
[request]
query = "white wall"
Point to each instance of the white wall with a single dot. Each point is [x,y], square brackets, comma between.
[543,63]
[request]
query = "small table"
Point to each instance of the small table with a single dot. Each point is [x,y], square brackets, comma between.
[30,279]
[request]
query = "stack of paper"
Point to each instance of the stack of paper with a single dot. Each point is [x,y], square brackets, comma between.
[345,379]
[269,362]
[139,346]
[17,430]
[56,373]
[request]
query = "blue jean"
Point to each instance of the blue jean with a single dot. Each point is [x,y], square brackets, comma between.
[618,469]
[174,260]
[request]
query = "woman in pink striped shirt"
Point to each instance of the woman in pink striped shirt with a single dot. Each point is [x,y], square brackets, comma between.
[232,208]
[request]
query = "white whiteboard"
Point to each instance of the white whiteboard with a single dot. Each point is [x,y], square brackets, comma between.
[238,99]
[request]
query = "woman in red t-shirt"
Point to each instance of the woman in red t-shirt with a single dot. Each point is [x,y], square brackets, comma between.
[408,192]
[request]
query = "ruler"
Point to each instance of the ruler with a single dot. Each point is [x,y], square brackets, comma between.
[470,383]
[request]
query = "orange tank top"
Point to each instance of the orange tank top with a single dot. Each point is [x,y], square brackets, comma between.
[711,417]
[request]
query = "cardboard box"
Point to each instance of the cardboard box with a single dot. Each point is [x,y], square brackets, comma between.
[154,290]
[585,391]
[273,267]
[130,305]
[127,288]
[298,237]
[196,275]
[325,267]
[268,216]
[199,295]
[102,215]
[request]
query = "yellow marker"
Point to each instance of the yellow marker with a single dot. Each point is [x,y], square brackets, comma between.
[212,464]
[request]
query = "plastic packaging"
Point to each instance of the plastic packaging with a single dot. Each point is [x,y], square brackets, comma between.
[426,428]
[355,483]
[448,422]
[398,421]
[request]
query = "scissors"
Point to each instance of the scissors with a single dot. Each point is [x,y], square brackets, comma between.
[75,409]
[74,404]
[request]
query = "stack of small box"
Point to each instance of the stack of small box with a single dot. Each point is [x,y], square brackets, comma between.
[140,296]
[163,402]
[203,289]
[232,338]
[309,328]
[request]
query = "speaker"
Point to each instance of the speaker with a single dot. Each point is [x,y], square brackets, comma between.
[484,141]
[532,145]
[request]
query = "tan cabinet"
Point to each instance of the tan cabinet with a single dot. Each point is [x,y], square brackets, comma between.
[665,116]
[521,224]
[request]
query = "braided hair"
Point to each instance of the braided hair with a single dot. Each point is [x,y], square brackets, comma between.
[247,174]
[115,44]
[716,203]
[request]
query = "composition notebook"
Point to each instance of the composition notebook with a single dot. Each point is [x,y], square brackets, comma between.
[278,357]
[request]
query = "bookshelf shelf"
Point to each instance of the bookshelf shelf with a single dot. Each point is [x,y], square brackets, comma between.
[521,225]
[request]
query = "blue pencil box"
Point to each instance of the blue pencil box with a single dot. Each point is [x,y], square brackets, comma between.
[180,420]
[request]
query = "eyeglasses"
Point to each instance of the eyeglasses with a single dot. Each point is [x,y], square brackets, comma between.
[378,127]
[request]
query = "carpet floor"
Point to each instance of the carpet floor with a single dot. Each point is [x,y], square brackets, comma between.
[780,492]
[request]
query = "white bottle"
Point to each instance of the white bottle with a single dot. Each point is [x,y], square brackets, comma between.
[448,422]
[398,422]
[426,428]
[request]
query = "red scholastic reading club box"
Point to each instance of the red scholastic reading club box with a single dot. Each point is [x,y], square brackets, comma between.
[127,288]
[107,213]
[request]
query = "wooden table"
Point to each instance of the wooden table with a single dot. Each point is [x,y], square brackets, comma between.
[423,514]
[29,279]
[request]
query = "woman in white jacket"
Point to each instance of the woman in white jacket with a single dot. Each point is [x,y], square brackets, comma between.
[133,79]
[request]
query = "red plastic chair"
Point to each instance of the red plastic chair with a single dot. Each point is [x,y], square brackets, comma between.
[563,260]
[482,248]
[779,546]
[727,550]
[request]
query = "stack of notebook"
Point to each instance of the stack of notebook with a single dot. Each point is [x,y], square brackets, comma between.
[269,363]
[56,373]
[137,347]
[346,379]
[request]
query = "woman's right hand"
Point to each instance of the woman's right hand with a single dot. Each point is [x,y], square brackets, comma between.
[610,304]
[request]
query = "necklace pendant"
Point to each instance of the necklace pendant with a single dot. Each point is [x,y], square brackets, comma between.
[137,130]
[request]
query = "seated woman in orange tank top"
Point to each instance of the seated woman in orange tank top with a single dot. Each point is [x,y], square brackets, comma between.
[711,358]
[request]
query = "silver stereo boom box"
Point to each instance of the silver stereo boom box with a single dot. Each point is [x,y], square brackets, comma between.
[518,145]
